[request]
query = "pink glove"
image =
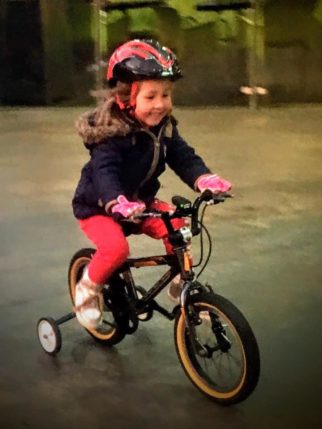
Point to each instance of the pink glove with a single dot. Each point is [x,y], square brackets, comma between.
[212,182]
[127,208]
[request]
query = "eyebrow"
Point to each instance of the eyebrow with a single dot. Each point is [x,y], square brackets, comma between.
[153,91]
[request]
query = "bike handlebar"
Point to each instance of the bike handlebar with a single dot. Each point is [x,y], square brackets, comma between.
[184,208]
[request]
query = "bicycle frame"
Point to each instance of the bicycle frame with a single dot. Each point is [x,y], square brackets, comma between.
[169,260]
[178,263]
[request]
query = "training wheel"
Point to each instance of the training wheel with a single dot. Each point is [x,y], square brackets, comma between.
[49,335]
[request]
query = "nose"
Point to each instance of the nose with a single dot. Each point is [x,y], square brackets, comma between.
[159,103]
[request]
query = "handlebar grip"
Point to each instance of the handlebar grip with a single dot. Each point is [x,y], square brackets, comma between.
[207,195]
[118,217]
[219,197]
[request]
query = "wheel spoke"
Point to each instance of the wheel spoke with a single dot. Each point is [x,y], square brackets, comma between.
[227,376]
[106,322]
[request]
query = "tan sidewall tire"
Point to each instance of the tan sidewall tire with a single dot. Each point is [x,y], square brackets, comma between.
[79,260]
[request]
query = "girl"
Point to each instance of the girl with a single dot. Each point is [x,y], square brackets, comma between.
[131,138]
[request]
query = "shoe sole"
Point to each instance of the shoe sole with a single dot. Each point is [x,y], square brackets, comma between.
[173,298]
[86,324]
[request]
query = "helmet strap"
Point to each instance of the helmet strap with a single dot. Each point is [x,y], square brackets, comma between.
[133,94]
[131,103]
[120,103]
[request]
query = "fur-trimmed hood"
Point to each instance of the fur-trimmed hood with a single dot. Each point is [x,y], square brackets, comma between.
[127,159]
[106,120]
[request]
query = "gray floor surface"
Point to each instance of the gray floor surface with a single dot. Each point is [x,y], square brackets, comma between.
[267,260]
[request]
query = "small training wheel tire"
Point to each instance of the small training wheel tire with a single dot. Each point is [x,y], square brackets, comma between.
[49,335]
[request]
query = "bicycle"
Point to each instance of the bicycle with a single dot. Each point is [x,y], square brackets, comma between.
[214,342]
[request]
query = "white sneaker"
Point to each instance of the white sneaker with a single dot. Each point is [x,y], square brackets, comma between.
[175,289]
[88,303]
[204,315]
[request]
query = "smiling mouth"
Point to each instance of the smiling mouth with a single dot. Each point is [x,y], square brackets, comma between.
[157,115]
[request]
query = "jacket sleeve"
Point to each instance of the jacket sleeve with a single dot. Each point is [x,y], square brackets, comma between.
[183,159]
[106,160]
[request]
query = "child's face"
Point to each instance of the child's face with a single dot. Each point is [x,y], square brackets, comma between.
[153,101]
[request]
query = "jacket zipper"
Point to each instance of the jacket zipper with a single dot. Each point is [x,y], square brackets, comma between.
[156,156]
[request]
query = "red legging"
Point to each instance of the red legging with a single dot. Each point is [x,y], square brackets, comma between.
[111,243]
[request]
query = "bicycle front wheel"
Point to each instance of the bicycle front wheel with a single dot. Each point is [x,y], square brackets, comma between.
[217,349]
[109,332]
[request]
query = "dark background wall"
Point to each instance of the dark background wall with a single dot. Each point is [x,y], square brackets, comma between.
[293,33]
[47,50]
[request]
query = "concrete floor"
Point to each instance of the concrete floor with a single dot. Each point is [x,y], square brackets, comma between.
[267,260]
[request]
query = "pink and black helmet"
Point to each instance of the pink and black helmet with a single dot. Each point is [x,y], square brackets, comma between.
[142,59]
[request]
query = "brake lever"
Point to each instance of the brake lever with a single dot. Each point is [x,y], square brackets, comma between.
[221,197]
[216,198]
[144,215]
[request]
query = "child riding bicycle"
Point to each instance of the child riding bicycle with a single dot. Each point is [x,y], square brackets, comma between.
[131,138]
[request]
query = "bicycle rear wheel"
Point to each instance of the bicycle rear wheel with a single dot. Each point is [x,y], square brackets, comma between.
[218,352]
[109,332]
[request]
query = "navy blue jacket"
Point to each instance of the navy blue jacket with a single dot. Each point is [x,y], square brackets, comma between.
[120,162]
